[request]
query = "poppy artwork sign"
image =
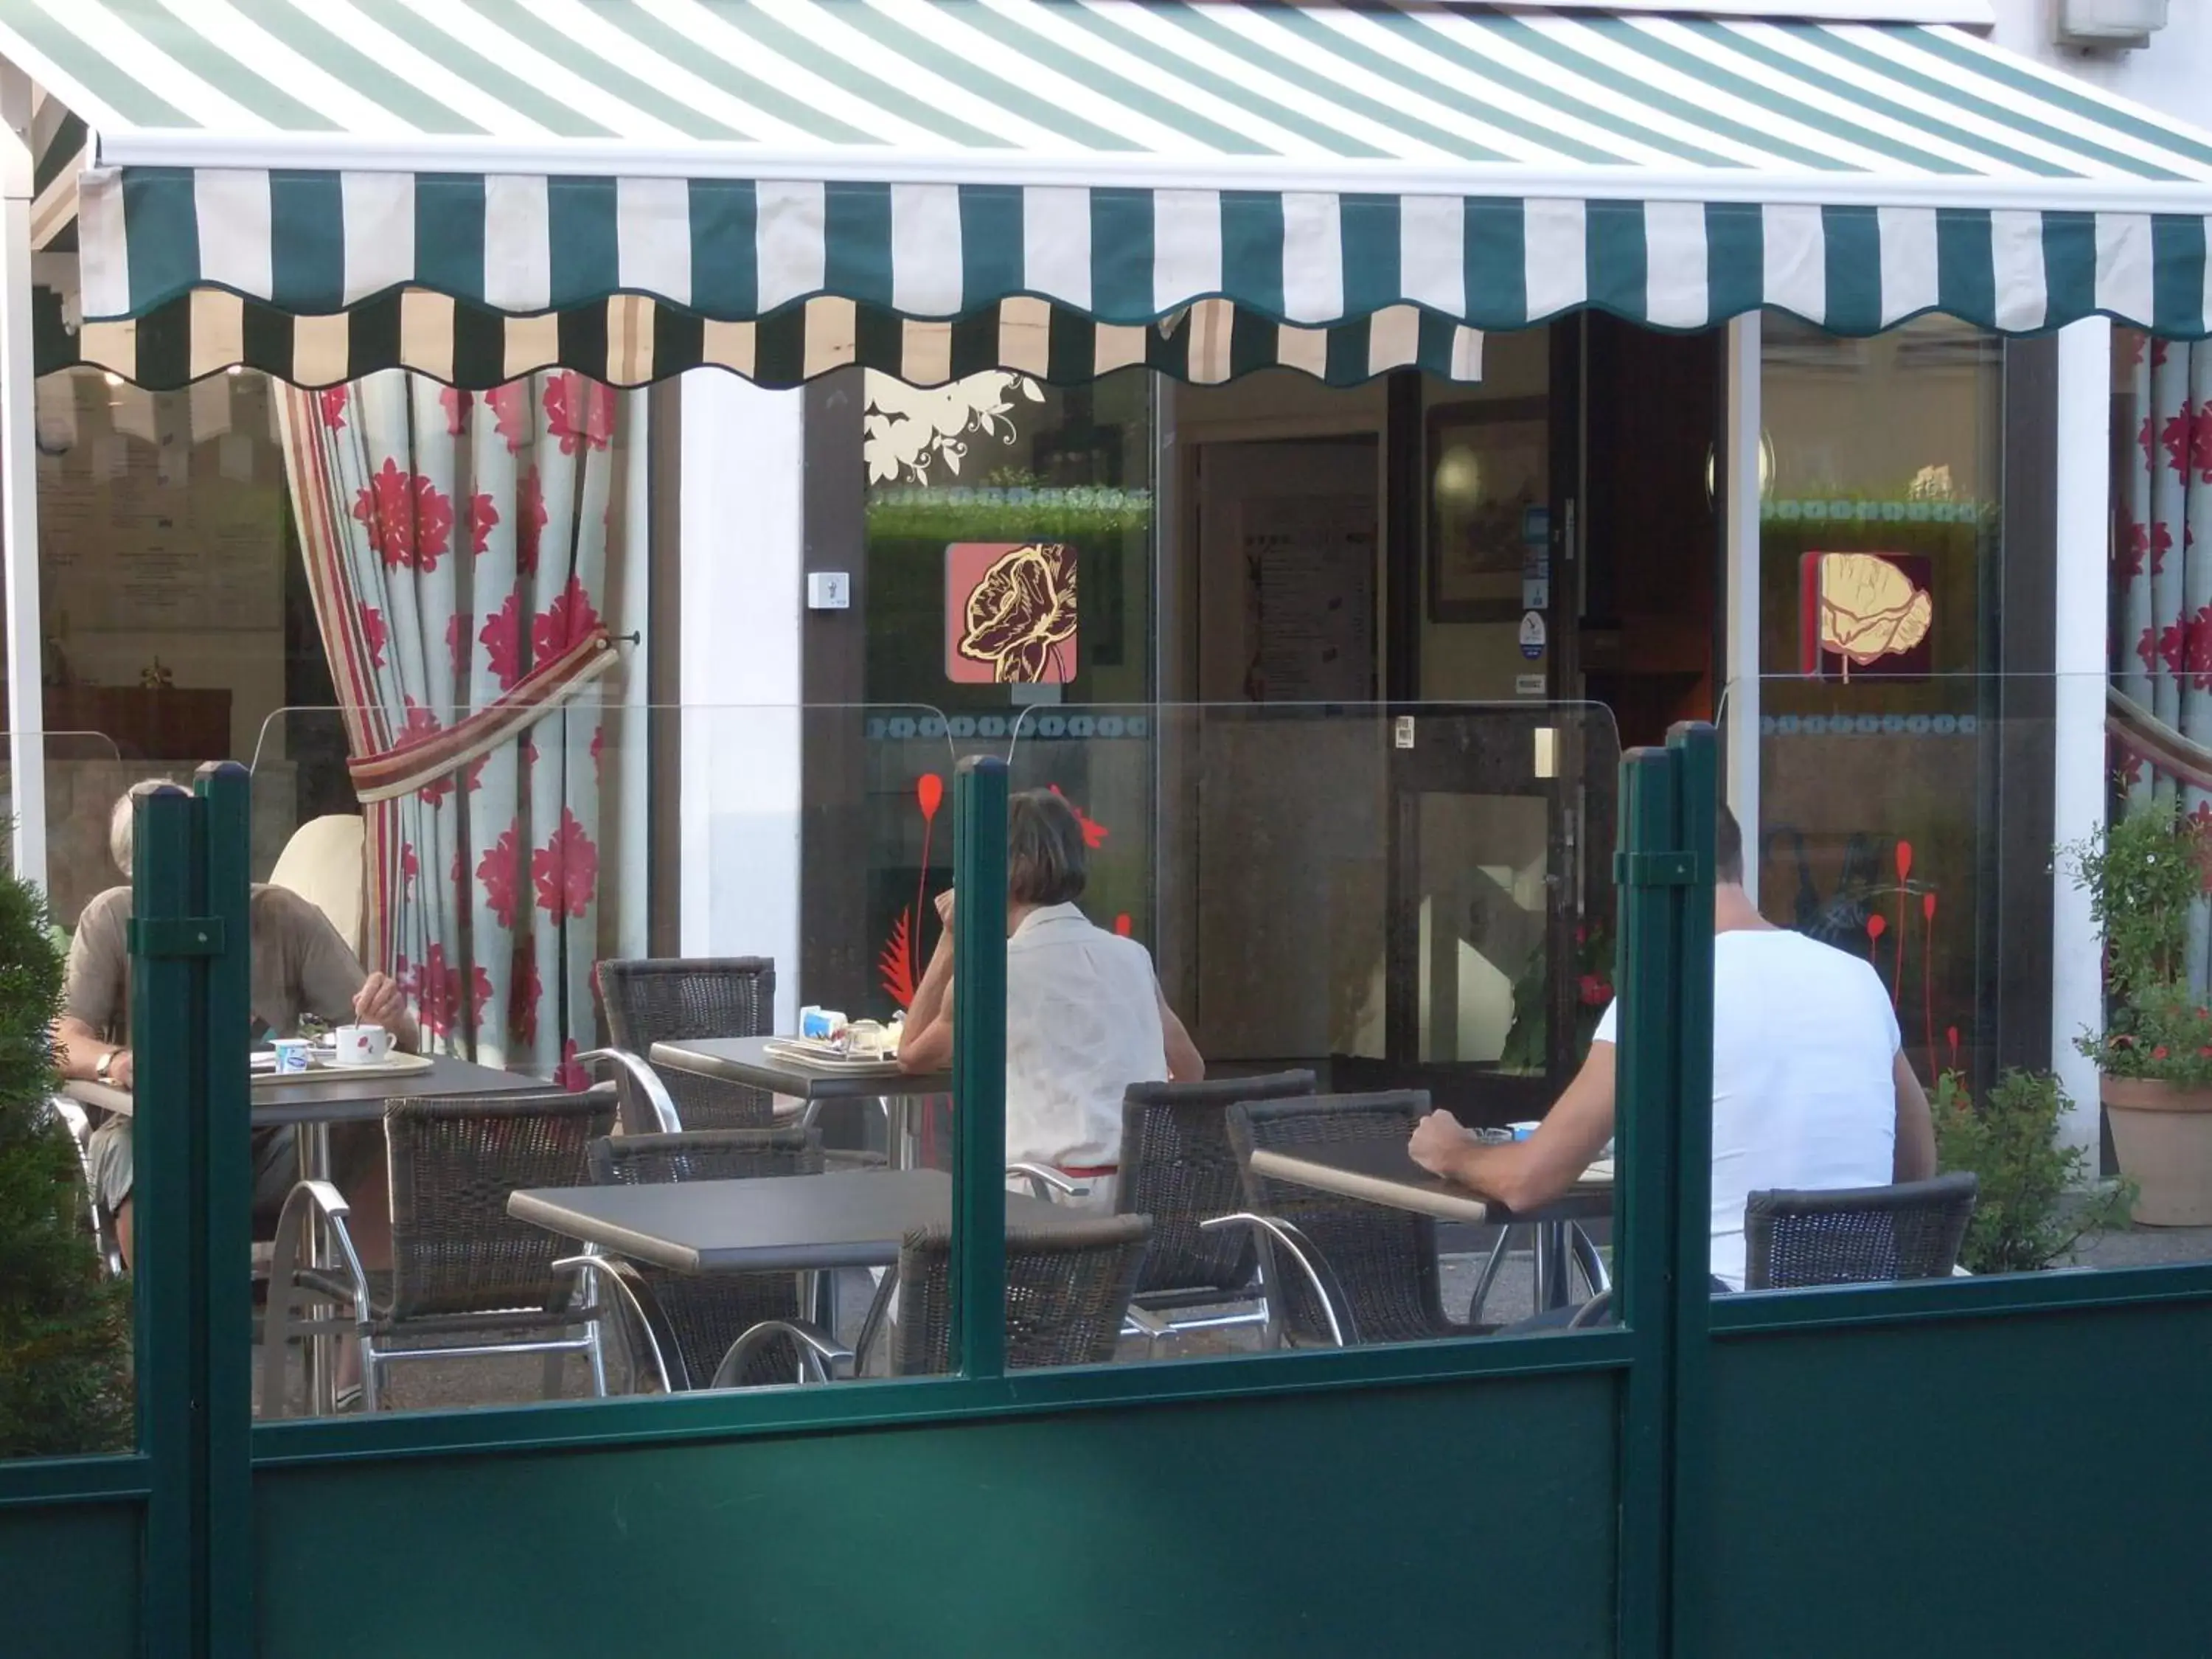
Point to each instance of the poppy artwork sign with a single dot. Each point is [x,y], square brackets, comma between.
[1010,613]
[1866,615]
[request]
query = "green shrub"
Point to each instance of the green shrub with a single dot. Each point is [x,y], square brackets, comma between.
[2032,1208]
[64,1384]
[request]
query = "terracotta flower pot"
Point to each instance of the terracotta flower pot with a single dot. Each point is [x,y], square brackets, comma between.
[2162,1137]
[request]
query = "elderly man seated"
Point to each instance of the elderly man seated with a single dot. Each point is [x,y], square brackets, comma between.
[300,967]
[1811,1088]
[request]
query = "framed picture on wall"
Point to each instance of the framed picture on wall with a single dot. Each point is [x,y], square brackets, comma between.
[1489,479]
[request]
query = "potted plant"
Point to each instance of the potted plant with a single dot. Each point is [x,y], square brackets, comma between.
[64,1384]
[2143,874]
[2035,1203]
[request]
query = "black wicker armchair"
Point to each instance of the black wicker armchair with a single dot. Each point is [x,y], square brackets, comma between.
[1857,1235]
[1178,1167]
[1340,1270]
[1067,1290]
[460,1264]
[668,999]
[686,1322]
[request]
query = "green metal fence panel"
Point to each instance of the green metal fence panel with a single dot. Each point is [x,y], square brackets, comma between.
[168,1023]
[1466,1518]
[979,1067]
[69,1582]
[227,1498]
[2033,1485]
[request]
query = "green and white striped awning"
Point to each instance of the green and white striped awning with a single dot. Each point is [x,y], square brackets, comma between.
[472,188]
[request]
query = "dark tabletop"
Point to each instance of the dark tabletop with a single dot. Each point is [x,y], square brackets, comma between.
[336,1099]
[1382,1172]
[746,1060]
[779,1224]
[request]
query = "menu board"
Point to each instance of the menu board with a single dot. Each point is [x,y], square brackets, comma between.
[1310,561]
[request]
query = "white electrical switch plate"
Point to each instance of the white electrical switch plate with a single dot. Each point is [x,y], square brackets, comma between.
[829,590]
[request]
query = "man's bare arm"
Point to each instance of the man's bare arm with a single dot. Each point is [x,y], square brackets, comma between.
[1915,1156]
[80,1048]
[1185,1063]
[1533,1172]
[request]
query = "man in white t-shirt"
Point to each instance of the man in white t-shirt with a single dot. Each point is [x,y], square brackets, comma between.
[1811,1088]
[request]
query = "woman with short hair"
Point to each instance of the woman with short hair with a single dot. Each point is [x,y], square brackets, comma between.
[1085,1017]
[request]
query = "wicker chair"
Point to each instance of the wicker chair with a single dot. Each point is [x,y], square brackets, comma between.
[461,1265]
[1178,1167]
[667,999]
[1067,1290]
[1357,1272]
[1856,1235]
[687,1322]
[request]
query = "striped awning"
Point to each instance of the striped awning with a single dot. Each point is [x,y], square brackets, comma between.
[473,188]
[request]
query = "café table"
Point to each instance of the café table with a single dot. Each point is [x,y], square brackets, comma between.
[1382,1172]
[806,1225]
[312,1103]
[753,1062]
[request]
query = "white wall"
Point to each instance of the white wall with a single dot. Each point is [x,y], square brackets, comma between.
[738,665]
[2168,74]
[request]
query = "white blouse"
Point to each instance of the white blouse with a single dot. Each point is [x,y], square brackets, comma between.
[1082,1023]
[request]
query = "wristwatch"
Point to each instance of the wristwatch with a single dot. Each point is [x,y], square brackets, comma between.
[100,1067]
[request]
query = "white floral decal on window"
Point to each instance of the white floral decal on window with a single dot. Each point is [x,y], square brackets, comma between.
[910,432]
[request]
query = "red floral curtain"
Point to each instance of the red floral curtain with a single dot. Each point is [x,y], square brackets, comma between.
[456,549]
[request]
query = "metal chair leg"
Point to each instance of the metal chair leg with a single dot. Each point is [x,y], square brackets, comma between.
[1488,1276]
[1585,1252]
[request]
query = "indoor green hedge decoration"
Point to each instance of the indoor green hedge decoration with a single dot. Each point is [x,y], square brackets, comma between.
[64,1367]
[1007,513]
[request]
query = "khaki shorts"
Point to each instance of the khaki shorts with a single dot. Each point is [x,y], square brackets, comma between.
[355,1148]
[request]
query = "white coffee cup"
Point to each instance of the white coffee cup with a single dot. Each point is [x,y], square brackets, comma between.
[361,1045]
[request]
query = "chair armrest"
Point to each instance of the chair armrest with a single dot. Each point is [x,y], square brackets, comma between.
[1272,1231]
[632,1292]
[648,1081]
[825,1356]
[1045,1181]
[1598,1310]
[307,1200]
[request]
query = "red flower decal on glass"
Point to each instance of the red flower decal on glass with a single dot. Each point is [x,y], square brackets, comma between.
[1094,833]
[2129,343]
[410,866]
[510,407]
[522,995]
[565,870]
[331,402]
[483,515]
[1595,991]
[580,412]
[529,521]
[472,775]
[599,751]
[503,639]
[2146,442]
[568,621]
[457,403]
[2146,648]
[372,634]
[500,874]
[410,520]
[458,627]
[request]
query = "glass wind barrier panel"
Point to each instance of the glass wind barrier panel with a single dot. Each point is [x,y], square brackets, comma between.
[1908,822]
[1361,912]
[609,878]
[66,1335]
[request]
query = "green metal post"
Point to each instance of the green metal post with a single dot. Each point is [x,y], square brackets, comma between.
[1693,747]
[225,791]
[1645,1220]
[167,1027]
[979,1066]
